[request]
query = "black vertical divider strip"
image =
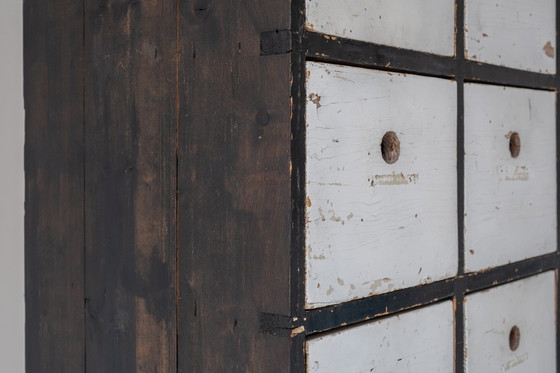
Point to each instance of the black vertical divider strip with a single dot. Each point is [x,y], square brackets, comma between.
[460,63]
[84,170]
[459,285]
[458,304]
[459,289]
[177,147]
[298,181]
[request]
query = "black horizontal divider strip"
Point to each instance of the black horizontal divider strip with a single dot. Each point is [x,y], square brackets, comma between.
[480,72]
[356,311]
[332,49]
[323,319]
[353,52]
[482,280]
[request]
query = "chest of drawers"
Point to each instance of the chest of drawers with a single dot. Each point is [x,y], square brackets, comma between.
[292,186]
[470,197]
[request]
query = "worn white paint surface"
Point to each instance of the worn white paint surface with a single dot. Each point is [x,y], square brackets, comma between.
[414,341]
[510,203]
[422,25]
[12,305]
[530,305]
[515,33]
[374,227]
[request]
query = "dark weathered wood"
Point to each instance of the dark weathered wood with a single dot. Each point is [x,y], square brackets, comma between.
[130,185]
[54,213]
[234,187]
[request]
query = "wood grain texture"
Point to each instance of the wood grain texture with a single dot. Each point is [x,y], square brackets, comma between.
[421,25]
[490,315]
[520,34]
[510,203]
[420,340]
[54,198]
[374,227]
[130,185]
[234,187]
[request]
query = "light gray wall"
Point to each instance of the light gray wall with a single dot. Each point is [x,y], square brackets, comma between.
[12,306]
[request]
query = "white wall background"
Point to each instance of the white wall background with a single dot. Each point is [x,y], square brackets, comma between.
[12,304]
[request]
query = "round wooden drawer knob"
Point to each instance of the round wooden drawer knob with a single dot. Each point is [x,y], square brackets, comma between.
[390,147]
[514,337]
[514,144]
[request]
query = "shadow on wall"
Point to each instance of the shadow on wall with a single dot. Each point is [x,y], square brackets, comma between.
[12,306]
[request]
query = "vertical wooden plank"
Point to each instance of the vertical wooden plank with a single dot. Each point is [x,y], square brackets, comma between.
[130,185]
[234,187]
[54,214]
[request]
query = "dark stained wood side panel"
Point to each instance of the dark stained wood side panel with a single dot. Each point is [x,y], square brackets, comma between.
[234,187]
[54,212]
[130,185]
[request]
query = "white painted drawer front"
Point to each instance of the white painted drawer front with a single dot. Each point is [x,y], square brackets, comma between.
[414,341]
[515,33]
[374,227]
[490,317]
[510,203]
[423,25]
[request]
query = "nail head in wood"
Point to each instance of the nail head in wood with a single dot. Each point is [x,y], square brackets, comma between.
[263,117]
[276,42]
